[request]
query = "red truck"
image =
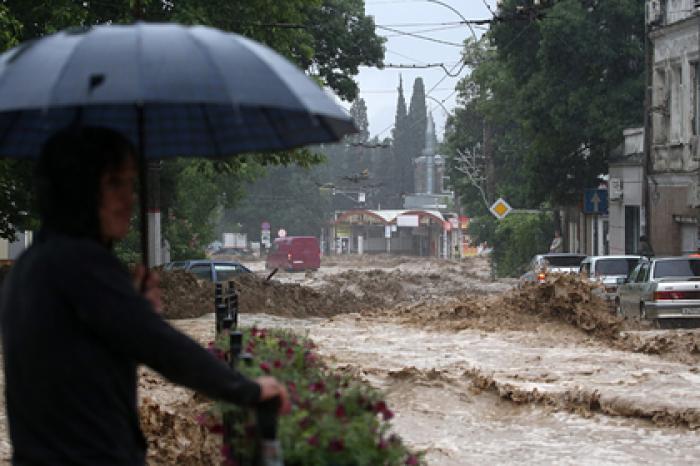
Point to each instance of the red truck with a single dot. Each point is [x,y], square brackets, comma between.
[294,253]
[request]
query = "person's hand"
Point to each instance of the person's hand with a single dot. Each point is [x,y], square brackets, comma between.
[148,287]
[270,387]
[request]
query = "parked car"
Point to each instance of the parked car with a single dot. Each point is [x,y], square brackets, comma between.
[294,253]
[665,290]
[607,270]
[543,264]
[212,270]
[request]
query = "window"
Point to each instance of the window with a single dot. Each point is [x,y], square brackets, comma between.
[178,265]
[615,266]
[585,269]
[226,271]
[677,268]
[695,129]
[675,108]
[564,261]
[201,271]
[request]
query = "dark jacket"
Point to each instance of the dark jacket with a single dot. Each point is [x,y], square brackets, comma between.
[73,332]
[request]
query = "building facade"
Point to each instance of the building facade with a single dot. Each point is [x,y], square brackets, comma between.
[674,147]
[626,194]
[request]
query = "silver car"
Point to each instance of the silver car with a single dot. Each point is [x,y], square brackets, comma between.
[665,290]
[608,270]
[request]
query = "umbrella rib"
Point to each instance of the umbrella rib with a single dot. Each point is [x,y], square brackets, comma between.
[64,69]
[205,53]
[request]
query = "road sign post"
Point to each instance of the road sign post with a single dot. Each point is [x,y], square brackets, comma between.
[500,209]
[595,201]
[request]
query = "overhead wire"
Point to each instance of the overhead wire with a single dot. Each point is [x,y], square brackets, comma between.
[418,36]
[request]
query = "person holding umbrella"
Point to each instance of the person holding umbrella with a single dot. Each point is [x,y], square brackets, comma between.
[74,326]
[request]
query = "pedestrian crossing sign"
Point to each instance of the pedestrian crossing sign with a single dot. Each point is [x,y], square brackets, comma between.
[500,209]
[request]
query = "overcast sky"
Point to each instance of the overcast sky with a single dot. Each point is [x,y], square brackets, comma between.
[378,87]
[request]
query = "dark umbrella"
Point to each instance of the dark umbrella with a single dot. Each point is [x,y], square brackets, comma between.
[173,90]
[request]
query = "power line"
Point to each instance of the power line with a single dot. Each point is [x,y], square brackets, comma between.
[418,36]
[405,56]
[394,91]
[443,28]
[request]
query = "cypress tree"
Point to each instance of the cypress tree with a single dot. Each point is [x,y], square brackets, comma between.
[417,119]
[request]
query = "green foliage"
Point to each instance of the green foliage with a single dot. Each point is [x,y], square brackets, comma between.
[334,419]
[557,83]
[580,72]
[287,198]
[16,200]
[329,39]
[515,239]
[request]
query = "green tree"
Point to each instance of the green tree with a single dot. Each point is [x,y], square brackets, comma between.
[394,170]
[330,39]
[417,122]
[579,69]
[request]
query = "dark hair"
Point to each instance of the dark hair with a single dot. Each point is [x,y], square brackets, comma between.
[68,175]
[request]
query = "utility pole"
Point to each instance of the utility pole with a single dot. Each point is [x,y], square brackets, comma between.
[647,166]
[153,224]
[697,125]
[489,162]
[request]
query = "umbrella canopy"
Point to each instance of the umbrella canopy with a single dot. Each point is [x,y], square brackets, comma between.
[173,90]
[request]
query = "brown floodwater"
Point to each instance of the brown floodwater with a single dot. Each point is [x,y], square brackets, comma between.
[536,409]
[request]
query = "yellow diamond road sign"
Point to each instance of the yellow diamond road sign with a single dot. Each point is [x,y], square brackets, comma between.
[500,209]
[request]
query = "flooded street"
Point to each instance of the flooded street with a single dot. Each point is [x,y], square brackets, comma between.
[475,370]
[429,382]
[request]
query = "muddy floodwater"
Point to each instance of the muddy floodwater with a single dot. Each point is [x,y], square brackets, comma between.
[476,371]
[438,409]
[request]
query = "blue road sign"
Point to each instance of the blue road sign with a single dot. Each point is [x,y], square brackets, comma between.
[595,201]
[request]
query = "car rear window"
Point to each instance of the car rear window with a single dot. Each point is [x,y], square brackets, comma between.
[202,271]
[677,268]
[226,271]
[564,261]
[615,266]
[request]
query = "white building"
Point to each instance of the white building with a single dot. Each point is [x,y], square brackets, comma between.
[626,194]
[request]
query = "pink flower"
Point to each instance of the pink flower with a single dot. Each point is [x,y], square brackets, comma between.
[379,406]
[265,367]
[387,414]
[290,353]
[340,411]
[337,394]
[282,344]
[412,461]
[313,441]
[336,445]
[277,364]
[318,387]
[305,423]
[216,429]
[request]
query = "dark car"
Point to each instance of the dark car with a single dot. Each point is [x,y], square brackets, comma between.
[212,270]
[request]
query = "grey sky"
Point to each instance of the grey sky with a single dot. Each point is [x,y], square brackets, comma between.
[378,87]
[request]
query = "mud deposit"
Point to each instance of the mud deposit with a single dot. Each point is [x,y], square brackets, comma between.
[184,296]
[332,290]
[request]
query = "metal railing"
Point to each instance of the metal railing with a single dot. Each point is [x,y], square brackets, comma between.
[267,451]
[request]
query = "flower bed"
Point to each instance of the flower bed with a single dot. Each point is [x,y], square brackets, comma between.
[335,420]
